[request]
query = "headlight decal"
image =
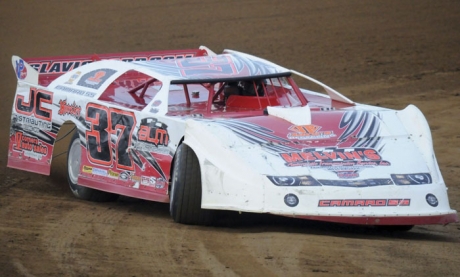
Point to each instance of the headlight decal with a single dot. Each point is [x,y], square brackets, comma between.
[412,179]
[396,179]
[293,181]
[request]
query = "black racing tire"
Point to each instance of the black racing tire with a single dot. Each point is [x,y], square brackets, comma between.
[185,199]
[73,169]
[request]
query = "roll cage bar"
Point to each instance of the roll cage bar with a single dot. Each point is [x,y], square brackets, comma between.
[140,98]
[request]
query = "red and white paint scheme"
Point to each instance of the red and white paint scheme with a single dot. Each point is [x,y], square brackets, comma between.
[231,131]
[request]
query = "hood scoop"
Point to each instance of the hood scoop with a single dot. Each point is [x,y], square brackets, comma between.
[296,115]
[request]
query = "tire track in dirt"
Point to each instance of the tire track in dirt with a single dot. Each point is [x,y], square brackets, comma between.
[23,213]
[79,224]
[278,252]
[232,251]
[201,251]
[22,270]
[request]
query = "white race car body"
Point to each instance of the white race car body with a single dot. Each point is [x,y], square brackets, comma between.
[276,149]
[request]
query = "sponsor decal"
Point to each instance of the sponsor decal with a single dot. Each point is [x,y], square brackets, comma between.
[344,174]
[21,71]
[160,183]
[345,162]
[30,146]
[291,200]
[99,171]
[305,132]
[57,67]
[69,109]
[154,132]
[151,181]
[363,202]
[73,78]
[31,123]
[145,180]
[113,174]
[35,106]
[148,147]
[76,91]
[87,169]
[136,178]
[125,176]
[94,79]
[158,57]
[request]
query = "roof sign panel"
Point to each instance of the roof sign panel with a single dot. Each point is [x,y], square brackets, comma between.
[219,66]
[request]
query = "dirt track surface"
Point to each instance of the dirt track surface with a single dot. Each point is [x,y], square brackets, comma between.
[388,53]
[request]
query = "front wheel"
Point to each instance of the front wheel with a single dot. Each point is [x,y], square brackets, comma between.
[73,170]
[185,200]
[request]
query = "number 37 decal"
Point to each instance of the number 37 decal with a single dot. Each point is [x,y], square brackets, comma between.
[103,123]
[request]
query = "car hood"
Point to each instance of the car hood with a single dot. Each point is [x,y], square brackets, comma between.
[362,143]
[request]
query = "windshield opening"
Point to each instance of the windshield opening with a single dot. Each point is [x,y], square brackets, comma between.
[233,96]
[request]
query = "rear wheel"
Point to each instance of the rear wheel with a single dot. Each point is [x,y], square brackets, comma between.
[73,169]
[185,201]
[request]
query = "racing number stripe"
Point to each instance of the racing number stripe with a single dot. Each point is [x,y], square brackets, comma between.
[122,122]
[98,137]
[104,122]
[219,66]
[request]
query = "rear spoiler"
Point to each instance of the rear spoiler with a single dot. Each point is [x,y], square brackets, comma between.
[49,68]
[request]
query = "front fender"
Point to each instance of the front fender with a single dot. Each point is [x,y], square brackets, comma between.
[227,181]
[419,132]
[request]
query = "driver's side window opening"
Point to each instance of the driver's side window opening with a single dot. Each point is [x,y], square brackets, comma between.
[132,90]
[189,98]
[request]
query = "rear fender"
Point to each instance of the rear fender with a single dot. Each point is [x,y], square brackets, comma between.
[36,118]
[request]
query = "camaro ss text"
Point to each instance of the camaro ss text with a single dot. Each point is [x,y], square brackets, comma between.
[363,202]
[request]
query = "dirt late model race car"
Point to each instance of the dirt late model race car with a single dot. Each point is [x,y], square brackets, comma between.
[231,131]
